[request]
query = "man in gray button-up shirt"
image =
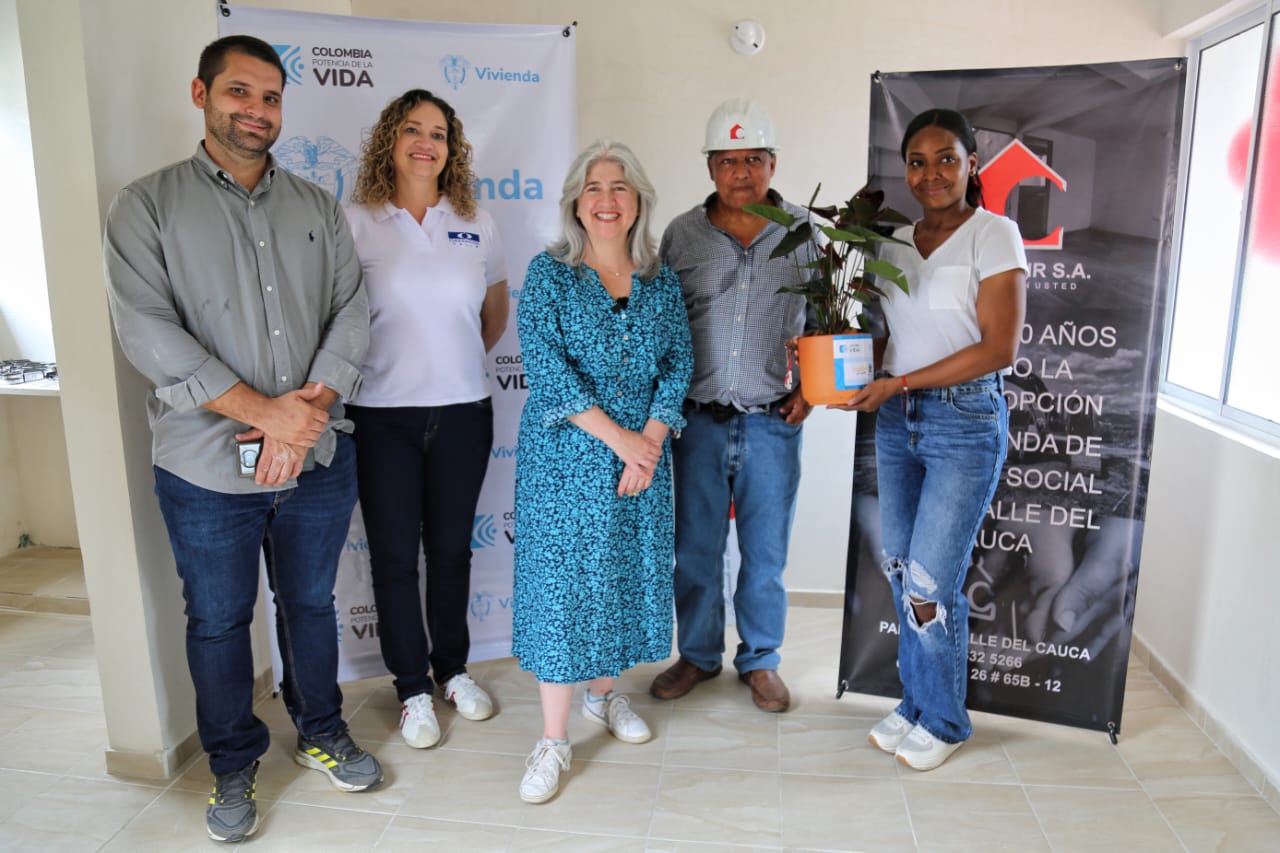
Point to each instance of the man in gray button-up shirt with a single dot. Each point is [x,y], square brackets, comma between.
[235,288]
[741,447]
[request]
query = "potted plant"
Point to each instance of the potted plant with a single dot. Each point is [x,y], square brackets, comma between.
[836,356]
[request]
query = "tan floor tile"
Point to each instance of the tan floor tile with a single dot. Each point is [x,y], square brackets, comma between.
[49,553]
[732,740]
[1084,820]
[1222,824]
[53,741]
[75,814]
[78,646]
[37,633]
[416,834]
[291,826]
[1143,729]
[680,792]
[12,716]
[600,798]
[476,787]
[52,683]
[17,788]
[1095,763]
[536,839]
[513,730]
[175,823]
[504,679]
[835,746]
[831,813]
[1145,694]
[39,604]
[663,846]
[1183,763]
[972,817]
[30,577]
[725,807]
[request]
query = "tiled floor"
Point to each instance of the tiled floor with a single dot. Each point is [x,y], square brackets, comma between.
[718,776]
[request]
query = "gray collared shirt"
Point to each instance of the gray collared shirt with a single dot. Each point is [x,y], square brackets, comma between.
[740,323]
[211,284]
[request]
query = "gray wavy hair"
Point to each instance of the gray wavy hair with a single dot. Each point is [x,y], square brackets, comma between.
[573,237]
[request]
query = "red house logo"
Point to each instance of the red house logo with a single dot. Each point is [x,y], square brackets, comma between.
[1013,165]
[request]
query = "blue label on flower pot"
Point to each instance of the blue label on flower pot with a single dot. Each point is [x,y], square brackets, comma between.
[854,361]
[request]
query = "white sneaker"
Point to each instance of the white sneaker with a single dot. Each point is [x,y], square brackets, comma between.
[471,702]
[418,725]
[920,750]
[889,732]
[615,714]
[542,779]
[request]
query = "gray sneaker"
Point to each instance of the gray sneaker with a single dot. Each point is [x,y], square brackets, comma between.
[348,766]
[233,813]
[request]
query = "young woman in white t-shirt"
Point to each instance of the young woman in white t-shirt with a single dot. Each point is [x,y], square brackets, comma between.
[942,424]
[436,280]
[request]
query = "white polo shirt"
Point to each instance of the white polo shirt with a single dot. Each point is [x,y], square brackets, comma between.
[426,284]
[940,314]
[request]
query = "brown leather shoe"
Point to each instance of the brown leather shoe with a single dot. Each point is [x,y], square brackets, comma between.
[679,679]
[767,690]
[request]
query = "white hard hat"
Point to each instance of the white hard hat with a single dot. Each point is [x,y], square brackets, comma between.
[739,123]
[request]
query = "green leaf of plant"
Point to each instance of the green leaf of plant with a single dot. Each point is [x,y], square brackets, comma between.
[792,240]
[841,236]
[886,270]
[773,214]
[893,216]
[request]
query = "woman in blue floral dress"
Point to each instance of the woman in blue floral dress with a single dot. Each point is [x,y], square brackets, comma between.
[605,343]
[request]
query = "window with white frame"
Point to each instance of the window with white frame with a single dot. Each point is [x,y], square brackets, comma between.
[1223,339]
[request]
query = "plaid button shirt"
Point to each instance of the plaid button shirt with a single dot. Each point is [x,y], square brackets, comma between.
[739,321]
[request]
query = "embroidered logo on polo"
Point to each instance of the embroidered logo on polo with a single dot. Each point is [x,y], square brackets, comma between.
[464,238]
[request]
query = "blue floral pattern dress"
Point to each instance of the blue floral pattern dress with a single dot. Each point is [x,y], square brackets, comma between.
[593,571]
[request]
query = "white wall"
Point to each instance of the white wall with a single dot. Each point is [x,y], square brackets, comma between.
[1211,576]
[1187,18]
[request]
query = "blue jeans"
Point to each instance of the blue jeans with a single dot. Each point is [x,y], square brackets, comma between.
[939,452]
[216,538]
[421,469]
[752,461]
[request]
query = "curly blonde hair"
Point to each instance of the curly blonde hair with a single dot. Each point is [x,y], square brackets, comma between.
[376,183]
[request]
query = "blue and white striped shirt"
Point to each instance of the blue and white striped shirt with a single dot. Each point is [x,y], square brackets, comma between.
[740,323]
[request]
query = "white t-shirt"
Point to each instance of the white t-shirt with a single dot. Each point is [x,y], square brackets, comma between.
[940,315]
[426,284]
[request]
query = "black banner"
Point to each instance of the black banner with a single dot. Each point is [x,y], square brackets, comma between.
[1085,160]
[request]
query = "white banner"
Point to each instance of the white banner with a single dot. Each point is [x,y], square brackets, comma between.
[514,88]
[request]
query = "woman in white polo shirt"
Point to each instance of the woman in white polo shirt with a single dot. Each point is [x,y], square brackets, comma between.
[436,279]
[942,427]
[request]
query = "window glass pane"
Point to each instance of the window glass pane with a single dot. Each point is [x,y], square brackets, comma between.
[1255,372]
[1220,137]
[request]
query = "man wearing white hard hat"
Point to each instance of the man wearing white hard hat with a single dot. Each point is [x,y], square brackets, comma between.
[741,447]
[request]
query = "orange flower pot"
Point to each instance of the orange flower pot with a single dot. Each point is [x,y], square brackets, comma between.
[834,367]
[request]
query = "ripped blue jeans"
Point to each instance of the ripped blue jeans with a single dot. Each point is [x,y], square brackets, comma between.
[939,452]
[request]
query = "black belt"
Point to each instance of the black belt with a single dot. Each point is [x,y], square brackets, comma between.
[721,412]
